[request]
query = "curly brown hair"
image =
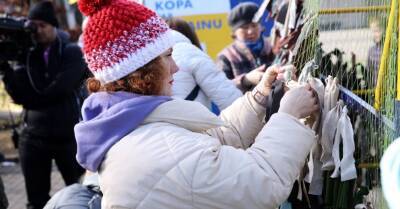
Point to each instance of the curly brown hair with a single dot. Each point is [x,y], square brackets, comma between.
[147,80]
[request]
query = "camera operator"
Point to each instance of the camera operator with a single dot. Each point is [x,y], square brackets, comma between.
[47,86]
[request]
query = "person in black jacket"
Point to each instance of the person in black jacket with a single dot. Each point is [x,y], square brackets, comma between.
[47,86]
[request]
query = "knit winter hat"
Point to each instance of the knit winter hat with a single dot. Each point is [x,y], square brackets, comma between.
[121,36]
[242,14]
[43,11]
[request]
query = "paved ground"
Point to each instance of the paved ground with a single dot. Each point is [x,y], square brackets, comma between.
[15,186]
[12,176]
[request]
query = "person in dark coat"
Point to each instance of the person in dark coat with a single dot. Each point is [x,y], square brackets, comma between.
[48,88]
[245,60]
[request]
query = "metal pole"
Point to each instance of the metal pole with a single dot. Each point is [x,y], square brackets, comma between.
[384,57]
[397,101]
[353,10]
[398,57]
[397,118]
[368,165]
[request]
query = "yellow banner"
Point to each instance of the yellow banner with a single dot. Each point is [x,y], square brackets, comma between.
[213,31]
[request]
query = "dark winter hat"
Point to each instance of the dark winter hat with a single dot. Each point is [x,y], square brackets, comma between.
[242,14]
[43,11]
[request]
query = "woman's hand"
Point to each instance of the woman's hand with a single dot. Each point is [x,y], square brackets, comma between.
[273,73]
[270,75]
[300,102]
[253,77]
[288,73]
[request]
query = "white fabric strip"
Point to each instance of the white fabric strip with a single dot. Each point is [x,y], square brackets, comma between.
[328,136]
[314,176]
[344,134]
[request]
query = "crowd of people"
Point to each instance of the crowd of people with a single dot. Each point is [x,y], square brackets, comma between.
[129,112]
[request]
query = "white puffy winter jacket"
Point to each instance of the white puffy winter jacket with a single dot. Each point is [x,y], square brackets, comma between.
[196,67]
[183,156]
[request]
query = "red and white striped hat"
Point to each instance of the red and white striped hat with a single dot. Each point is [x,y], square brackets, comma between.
[121,36]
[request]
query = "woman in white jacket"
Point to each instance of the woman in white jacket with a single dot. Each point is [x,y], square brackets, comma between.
[156,152]
[197,69]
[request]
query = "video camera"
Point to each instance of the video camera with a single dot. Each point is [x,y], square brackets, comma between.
[15,38]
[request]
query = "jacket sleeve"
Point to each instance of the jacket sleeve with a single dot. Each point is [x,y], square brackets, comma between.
[71,77]
[261,176]
[225,65]
[244,119]
[17,85]
[212,81]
